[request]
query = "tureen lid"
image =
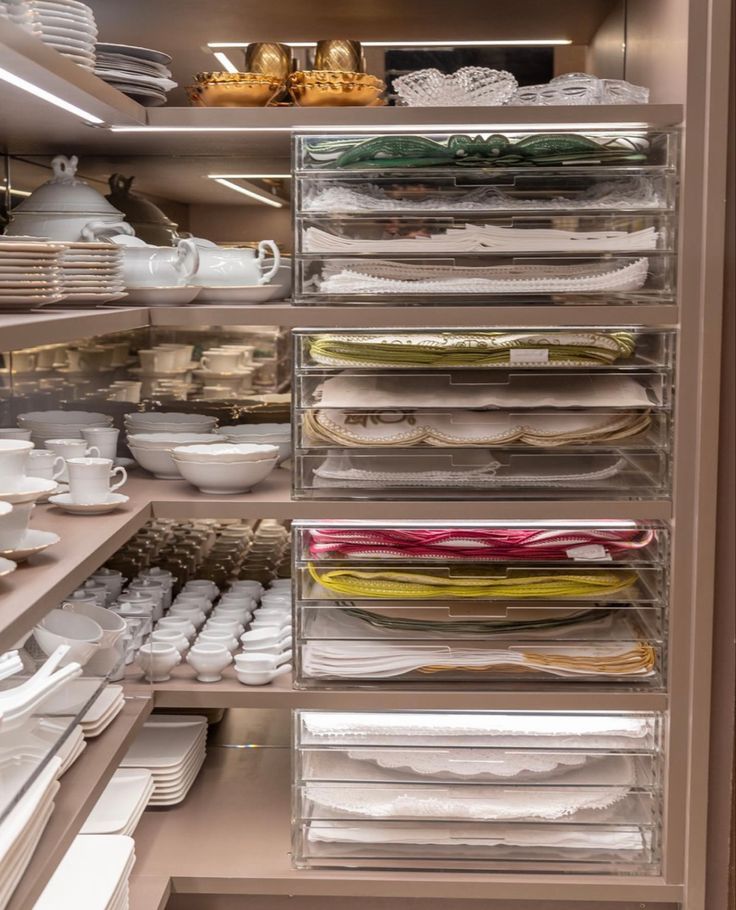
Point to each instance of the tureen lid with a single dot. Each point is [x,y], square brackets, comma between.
[65,192]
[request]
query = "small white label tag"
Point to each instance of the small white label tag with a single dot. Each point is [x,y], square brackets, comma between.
[528,355]
[589,551]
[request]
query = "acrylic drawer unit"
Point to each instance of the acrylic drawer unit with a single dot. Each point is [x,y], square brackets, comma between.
[476,603]
[478,791]
[420,219]
[403,428]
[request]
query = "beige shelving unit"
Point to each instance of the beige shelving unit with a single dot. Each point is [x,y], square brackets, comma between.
[240,803]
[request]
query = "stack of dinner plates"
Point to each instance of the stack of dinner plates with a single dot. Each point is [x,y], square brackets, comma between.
[93,875]
[92,272]
[30,273]
[139,72]
[173,748]
[66,25]
[22,827]
[122,803]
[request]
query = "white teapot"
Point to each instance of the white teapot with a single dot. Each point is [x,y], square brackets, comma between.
[147,266]
[234,266]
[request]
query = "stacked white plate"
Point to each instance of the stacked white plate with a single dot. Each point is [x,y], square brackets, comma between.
[23,826]
[60,424]
[173,748]
[30,273]
[103,711]
[168,422]
[93,875]
[66,25]
[139,72]
[40,735]
[92,272]
[122,803]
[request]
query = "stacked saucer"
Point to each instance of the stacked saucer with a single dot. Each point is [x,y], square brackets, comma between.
[173,748]
[60,424]
[103,711]
[168,422]
[122,803]
[93,875]
[92,272]
[138,72]
[66,25]
[30,275]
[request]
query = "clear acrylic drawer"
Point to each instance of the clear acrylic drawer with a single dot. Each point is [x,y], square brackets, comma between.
[347,645]
[607,349]
[327,542]
[486,277]
[579,190]
[478,791]
[436,234]
[502,472]
[509,152]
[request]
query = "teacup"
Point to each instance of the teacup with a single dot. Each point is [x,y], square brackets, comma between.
[156,360]
[182,353]
[157,659]
[14,524]
[173,637]
[15,433]
[89,479]
[218,360]
[45,464]
[208,660]
[261,677]
[13,461]
[71,448]
[104,439]
[246,351]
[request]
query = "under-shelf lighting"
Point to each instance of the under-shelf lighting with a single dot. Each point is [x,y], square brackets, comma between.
[499,42]
[41,93]
[478,129]
[249,176]
[260,197]
[13,190]
[225,62]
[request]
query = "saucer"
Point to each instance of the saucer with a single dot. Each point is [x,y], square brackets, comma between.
[32,542]
[7,566]
[166,296]
[60,488]
[29,488]
[245,293]
[64,501]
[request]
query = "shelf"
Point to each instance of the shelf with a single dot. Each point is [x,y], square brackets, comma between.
[49,326]
[87,541]
[410,317]
[183,691]
[39,584]
[240,803]
[81,786]
[148,892]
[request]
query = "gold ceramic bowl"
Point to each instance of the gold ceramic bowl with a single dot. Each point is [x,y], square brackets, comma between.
[251,90]
[328,88]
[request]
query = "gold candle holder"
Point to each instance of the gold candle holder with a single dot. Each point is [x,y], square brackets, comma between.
[269,59]
[339,55]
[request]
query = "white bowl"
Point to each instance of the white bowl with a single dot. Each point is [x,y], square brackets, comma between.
[225,453]
[219,478]
[170,440]
[158,461]
[168,422]
[112,625]
[277,434]
[60,627]
[42,419]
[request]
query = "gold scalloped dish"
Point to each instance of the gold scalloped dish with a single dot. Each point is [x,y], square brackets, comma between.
[257,91]
[328,88]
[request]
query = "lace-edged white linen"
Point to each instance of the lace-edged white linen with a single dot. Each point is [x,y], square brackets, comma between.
[468,802]
[339,469]
[445,390]
[470,238]
[404,728]
[622,195]
[385,277]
